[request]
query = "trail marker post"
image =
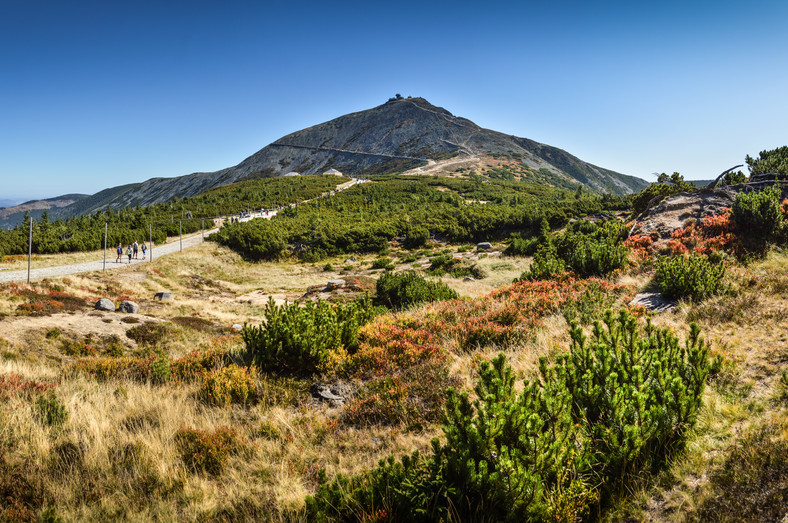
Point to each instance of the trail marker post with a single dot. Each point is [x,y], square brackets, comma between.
[180,231]
[29,249]
[105,248]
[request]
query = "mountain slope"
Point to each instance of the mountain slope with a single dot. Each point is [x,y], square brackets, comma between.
[10,216]
[401,134]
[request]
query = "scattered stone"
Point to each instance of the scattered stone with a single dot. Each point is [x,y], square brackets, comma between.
[163,296]
[336,393]
[484,246]
[129,307]
[105,304]
[237,327]
[335,284]
[350,260]
[653,301]
[469,278]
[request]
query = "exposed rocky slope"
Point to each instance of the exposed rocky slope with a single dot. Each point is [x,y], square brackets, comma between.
[398,135]
[673,212]
[10,216]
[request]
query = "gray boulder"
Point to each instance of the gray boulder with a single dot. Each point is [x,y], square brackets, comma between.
[335,284]
[335,393]
[484,246]
[105,304]
[237,327]
[129,307]
[163,296]
[653,301]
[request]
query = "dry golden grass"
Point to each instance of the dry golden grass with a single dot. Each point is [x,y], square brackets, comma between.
[116,456]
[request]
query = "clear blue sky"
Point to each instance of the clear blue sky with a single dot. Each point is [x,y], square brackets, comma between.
[98,94]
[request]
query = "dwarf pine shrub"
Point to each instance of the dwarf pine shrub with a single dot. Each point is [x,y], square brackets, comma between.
[618,401]
[757,214]
[296,339]
[636,390]
[546,264]
[693,277]
[407,289]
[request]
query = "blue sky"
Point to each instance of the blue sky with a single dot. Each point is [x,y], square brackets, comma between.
[98,94]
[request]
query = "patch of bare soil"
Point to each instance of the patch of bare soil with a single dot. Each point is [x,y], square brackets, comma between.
[262,297]
[95,323]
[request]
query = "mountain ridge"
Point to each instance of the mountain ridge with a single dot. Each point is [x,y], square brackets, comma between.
[401,134]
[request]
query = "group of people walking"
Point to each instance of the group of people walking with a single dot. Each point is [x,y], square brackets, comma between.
[132,251]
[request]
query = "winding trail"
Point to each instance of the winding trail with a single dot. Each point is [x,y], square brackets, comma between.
[157,250]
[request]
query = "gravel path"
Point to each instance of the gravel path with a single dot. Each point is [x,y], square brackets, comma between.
[98,265]
[158,250]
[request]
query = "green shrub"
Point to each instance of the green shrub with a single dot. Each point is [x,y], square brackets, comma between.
[407,289]
[638,391]
[160,369]
[383,263]
[589,249]
[595,257]
[416,238]
[521,247]
[230,385]
[546,264]
[53,334]
[757,214]
[50,410]
[693,277]
[297,339]
[456,267]
[203,451]
[613,406]
[328,267]
[774,161]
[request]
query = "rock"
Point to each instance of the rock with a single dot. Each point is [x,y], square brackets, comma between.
[484,246]
[350,260]
[129,307]
[105,304]
[237,327]
[653,301]
[335,284]
[469,278]
[163,296]
[335,393]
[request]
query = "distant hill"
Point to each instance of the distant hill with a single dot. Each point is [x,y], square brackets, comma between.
[10,216]
[402,134]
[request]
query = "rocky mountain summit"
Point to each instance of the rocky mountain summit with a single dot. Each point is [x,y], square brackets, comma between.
[401,134]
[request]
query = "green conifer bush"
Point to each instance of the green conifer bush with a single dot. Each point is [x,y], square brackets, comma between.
[693,277]
[296,339]
[407,289]
[618,401]
[757,214]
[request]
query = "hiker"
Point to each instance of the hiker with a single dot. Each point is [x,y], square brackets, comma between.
[136,249]
[128,252]
[144,250]
[120,253]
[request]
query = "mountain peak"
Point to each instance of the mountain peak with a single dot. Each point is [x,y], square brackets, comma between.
[402,134]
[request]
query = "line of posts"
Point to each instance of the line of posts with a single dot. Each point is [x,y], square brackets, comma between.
[106,230]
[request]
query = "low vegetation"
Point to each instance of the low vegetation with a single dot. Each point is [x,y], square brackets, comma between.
[411,393]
